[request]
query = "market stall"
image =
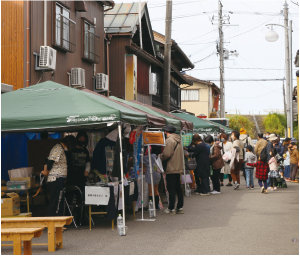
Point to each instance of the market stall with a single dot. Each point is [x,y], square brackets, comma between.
[54,107]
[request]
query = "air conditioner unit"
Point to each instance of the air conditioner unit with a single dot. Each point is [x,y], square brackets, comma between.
[78,77]
[47,57]
[152,84]
[101,82]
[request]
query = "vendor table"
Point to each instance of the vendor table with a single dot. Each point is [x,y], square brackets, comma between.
[112,206]
[27,190]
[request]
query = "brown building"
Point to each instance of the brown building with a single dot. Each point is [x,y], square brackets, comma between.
[135,72]
[75,29]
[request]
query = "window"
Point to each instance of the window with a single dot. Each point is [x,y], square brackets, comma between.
[91,45]
[64,29]
[190,95]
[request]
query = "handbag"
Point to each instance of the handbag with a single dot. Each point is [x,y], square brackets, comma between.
[188,179]
[191,164]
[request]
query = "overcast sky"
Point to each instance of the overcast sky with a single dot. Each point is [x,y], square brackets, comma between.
[258,58]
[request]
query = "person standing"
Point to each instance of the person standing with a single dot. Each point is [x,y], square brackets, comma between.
[260,145]
[235,172]
[278,146]
[216,162]
[226,146]
[286,163]
[274,174]
[172,158]
[57,174]
[294,159]
[249,158]
[202,172]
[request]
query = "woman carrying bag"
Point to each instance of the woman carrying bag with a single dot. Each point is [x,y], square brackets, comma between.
[226,146]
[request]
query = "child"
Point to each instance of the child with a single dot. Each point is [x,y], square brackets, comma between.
[294,159]
[274,174]
[249,158]
[262,170]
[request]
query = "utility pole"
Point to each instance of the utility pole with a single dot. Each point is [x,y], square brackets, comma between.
[287,70]
[221,52]
[291,79]
[167,57]
[284,103]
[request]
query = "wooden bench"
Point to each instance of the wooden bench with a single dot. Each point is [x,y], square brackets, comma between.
[17,235]
[53,224]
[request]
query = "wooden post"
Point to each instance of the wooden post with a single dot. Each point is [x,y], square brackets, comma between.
[90,216]
[27,248]
[59,238]
[51,237]
[17,244]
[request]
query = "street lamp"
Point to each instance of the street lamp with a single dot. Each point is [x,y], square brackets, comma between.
[272,36]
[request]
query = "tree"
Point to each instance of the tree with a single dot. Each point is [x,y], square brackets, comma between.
[237,122]
[275,123]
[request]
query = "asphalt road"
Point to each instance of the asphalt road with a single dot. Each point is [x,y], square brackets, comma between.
[234,222]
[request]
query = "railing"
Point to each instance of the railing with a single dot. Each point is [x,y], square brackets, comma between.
[256,125]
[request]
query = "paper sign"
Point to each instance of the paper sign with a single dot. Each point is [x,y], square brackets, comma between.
[97,195]
[131,188]
[154,138]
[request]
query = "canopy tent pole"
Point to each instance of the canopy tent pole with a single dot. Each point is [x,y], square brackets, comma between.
[183,162]
[151,175]
[142,155]
[122,175]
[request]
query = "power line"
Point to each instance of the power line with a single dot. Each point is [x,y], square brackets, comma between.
[241,68]
[252,97]
[245,80]
[204,58]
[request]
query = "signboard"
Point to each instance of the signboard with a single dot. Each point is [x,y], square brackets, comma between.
[97,195]
[154,138]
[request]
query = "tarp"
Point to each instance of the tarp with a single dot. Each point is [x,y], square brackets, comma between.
[51,106]
[200,125]
[227,130]
[152,120]
[172,121]
[185,124]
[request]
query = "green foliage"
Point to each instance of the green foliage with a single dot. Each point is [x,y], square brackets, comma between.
[296,130]
[275,123]
[237,122]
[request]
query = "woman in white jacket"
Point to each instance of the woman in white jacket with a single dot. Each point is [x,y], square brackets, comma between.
[226,146]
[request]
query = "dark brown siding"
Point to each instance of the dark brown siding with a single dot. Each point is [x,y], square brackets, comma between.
[117,53]
[143,77]
[65,60]
[12,43]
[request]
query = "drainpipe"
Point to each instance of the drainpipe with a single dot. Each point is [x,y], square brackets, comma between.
[27,44]
[107,64]
[45,22]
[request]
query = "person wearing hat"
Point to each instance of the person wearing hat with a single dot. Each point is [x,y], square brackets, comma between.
[235,171]
[246,139]
[172,158]
[294,159]
[249,159]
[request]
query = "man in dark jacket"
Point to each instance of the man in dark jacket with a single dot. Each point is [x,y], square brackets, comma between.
[278,146]
[173,155]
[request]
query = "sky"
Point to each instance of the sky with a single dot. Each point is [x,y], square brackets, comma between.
[258,59]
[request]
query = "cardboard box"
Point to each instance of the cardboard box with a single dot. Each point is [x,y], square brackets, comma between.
[10,204]
[30,181]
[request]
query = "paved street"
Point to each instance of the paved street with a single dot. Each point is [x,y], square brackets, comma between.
[234,222]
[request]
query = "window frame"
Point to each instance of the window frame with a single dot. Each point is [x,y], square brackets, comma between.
[182,100]
[96,59]
[71,26]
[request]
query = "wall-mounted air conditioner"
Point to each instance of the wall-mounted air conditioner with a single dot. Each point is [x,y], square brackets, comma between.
[152,84]
[78,77]
[47,57]
[101,82]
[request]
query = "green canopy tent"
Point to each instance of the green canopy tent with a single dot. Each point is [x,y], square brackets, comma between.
[51,106]
[200,126]
[169,120]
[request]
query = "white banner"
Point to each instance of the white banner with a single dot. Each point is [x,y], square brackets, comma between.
[97,195]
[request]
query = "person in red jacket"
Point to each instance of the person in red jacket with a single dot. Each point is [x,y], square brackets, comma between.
[262,170]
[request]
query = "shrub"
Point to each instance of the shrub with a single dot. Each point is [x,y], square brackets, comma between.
[275,123]
[237,122]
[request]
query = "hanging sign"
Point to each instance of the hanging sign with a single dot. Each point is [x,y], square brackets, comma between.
[154,138]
